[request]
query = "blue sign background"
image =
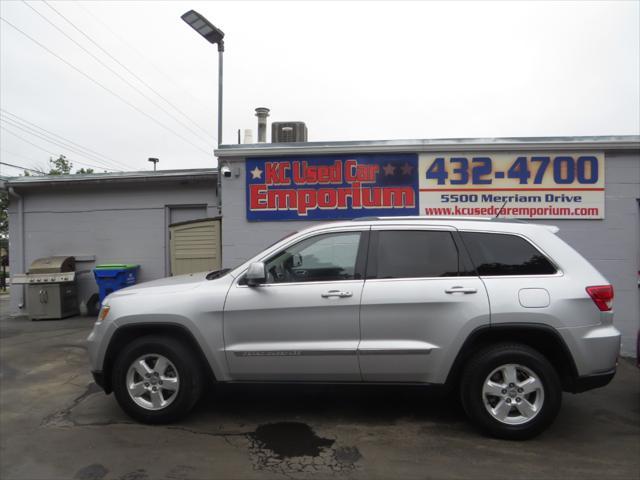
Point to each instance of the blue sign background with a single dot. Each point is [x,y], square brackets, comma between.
[401,171]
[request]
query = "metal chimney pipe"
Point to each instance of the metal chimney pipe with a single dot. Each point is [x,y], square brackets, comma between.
[262,113]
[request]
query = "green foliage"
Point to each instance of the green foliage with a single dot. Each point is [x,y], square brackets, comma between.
[60,166]
[85,171]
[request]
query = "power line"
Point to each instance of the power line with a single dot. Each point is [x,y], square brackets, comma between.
[48,152]
[145,57]
[133,74]
[35,133]
[111,69]
[21,167]
[69,64]
[89,152]
[85,151]
[33,162]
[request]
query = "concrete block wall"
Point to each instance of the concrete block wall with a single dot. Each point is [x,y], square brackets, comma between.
[612,245]
[123,223]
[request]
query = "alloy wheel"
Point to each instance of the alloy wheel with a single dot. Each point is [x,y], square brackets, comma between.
[513,394]
[153,382]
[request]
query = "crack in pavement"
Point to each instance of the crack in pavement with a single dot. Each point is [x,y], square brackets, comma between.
[62,417]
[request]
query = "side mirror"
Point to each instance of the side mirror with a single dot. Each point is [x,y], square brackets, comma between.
[256,274]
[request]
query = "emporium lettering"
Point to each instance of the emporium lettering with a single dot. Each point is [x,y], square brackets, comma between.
[354,196]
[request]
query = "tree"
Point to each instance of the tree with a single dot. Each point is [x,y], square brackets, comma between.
[60,166]
[4,216]
[85,171]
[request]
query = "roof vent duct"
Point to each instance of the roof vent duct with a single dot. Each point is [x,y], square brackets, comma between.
[262,113]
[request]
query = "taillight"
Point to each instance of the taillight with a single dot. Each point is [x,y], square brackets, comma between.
[602,296]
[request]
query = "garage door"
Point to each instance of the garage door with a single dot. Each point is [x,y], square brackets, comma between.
[195,246]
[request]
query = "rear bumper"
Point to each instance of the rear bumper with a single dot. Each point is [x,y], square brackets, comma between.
[589,382]
[594,348]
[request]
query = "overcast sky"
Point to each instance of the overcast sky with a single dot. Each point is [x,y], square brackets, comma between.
[351,71]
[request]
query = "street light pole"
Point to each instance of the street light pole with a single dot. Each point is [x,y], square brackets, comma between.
[211,34]
[220,52]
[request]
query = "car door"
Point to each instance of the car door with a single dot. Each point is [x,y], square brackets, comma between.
[421,299]
[303,323]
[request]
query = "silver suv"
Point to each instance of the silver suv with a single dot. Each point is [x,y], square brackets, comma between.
[504,313]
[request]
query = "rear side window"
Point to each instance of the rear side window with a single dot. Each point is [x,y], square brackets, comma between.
[500,254]
[413,254]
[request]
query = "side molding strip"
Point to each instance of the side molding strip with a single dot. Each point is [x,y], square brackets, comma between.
[322,353]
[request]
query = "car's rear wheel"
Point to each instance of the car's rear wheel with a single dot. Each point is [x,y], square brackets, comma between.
[157,379]
[510,391]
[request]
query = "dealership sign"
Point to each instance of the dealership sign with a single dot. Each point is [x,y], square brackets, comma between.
[332,187]
[515,185]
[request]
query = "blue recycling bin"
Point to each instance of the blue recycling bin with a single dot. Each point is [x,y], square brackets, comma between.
[114,276]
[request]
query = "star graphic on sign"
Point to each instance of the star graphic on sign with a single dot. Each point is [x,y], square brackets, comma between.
[256,173]
[389,169]
[406,168]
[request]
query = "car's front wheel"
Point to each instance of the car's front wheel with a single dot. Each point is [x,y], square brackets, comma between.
[511,391]
[156,379]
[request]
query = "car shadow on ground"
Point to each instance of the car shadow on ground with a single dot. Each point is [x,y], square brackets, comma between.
[354,403]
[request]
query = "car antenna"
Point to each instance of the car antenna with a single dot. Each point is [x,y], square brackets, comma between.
[501,208]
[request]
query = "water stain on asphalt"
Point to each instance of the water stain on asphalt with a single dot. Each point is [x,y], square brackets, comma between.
[94,471]
[290,439]
[293,447]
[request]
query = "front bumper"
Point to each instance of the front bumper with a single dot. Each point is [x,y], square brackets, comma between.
[98,377]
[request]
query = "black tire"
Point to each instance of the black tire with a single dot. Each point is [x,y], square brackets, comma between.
[93,305]
[478,369]
[188,369]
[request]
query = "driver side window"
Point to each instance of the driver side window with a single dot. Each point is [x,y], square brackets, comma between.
[327,257]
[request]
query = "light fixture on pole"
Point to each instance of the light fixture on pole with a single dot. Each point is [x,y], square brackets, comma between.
[213,35]
[155,162]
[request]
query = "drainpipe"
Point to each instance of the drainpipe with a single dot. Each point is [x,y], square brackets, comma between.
[219,186]
[23,268]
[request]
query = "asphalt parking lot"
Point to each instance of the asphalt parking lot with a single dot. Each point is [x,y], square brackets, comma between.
[56,424]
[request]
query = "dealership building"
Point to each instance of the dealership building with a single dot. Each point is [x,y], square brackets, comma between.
[588,186]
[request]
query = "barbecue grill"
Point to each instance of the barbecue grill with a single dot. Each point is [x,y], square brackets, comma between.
[52,291]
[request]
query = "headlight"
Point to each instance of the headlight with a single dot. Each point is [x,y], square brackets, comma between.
[104,311]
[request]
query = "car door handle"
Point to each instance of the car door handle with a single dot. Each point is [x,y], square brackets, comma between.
[336,293]
[460,289]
